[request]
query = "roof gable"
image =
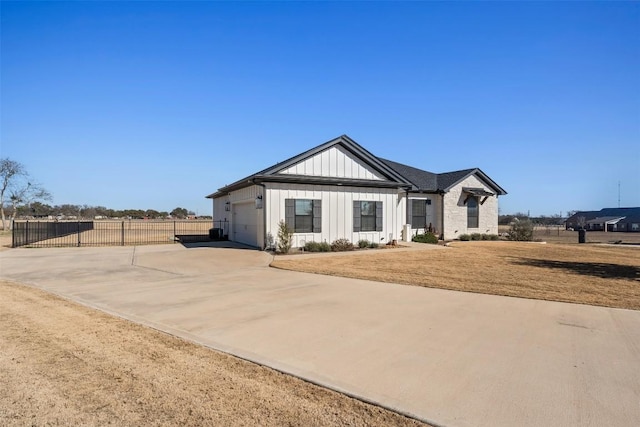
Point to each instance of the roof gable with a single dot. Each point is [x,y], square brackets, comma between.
[449,179]
[359,167]
[335,162]
[440,182]
[384,175]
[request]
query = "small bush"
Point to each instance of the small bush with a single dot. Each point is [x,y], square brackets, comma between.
[285,237]
[521,231]
[493,236]
[484,237]
[373,245]
[317,247]
[341,245]
[362,244]
[464,237]
[476,236]
[425,238]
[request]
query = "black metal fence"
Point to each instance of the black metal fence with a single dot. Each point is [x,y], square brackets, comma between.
[115,233]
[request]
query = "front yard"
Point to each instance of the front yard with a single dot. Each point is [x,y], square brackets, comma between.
[587,274]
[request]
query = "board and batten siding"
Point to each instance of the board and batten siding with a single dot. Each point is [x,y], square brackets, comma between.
[243,195]
[239,196]
[455,211]
[333,162]
[337,211]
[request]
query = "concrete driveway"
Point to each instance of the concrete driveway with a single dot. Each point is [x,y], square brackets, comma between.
[449,358]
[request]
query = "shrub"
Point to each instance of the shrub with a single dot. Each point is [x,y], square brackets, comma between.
[493,236]
[425,238]
[485,237]
[373,245]
[285,236]
[521,231]
[341,245]
[363,243]
[476,236]
[464,237]
[317,247]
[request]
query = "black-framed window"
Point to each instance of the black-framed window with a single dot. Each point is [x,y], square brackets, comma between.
[303,215]
[418,214]
[367,216]
[472,212]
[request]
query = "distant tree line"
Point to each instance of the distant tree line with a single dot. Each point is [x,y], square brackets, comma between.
[537,220]
[23,197]
[43,210]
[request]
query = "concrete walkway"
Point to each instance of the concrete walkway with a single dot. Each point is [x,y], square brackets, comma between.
[450,358]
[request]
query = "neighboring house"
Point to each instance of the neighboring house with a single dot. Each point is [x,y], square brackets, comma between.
[607,219]
[340,190]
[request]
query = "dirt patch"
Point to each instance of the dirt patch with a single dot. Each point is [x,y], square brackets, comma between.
[65,364]
[589,274]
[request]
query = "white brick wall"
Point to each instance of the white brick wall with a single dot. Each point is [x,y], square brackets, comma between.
[455,211]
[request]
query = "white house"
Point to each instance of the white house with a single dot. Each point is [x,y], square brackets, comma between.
[340,190]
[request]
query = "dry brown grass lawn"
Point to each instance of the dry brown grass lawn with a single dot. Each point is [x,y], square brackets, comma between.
[64,364]
[588,274]
[5,240]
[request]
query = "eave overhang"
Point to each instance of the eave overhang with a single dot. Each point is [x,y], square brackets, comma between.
[309,180]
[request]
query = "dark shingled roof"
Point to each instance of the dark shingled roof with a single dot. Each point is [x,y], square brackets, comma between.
[395,174]
[428,181]
[606,212]
[422,179]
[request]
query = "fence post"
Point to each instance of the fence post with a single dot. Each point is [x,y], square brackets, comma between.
[26,233]
[174,231]
[122,235]
[78,233]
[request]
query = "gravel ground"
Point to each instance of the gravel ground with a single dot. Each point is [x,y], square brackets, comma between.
[65,364]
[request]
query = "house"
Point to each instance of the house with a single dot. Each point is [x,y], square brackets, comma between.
[340,190]
[607,219]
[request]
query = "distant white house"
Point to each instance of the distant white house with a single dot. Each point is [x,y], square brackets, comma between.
[340,190]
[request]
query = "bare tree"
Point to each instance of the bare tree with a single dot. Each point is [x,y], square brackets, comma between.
[16,188]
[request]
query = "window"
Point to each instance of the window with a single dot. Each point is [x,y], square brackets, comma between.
[472,212]
[367,216]
[418,214]
[303,215]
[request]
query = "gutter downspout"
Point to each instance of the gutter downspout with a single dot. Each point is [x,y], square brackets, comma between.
[264,212]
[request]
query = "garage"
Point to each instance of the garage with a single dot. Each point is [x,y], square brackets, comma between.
[245,223]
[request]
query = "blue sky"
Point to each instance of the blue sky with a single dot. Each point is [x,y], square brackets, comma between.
[154,105]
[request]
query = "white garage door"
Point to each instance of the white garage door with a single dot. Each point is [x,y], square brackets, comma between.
[245,227]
